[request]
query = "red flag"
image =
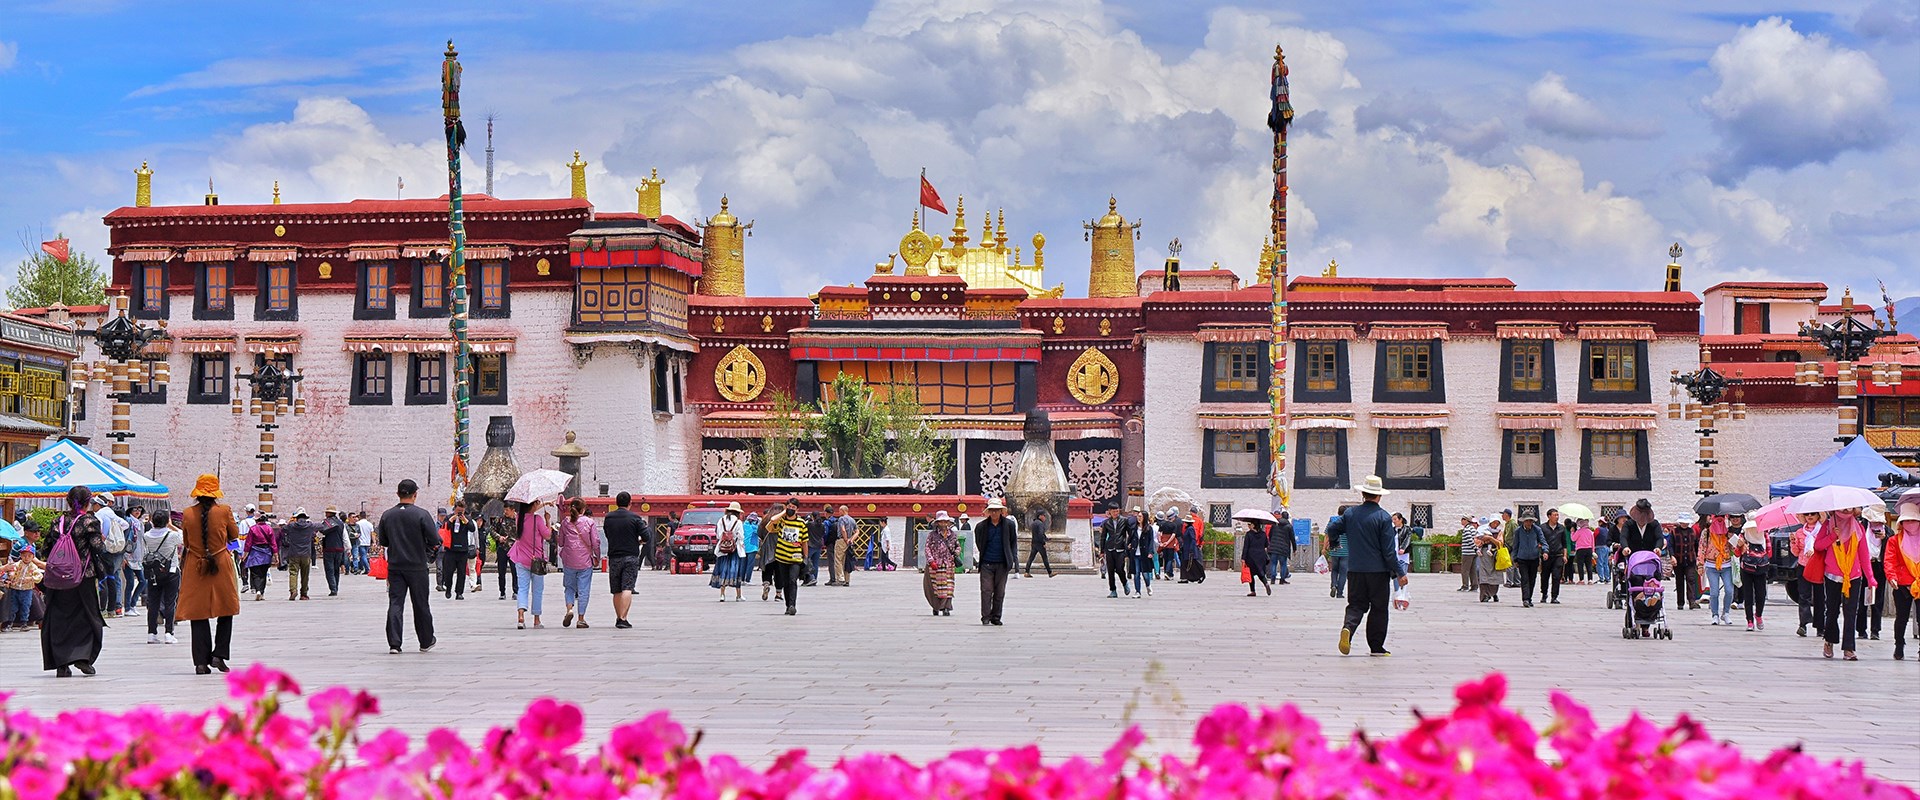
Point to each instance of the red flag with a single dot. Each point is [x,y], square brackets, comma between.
[930,198]
[58,249]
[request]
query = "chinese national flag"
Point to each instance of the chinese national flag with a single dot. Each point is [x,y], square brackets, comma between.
[59,250]
[930,198]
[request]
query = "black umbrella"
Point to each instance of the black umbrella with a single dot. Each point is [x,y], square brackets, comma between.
[1726,504]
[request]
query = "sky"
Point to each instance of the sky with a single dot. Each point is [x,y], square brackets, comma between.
[1562,144]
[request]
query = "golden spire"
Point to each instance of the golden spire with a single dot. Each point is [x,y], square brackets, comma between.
[276,193]
[916,219]
[143,186]
[649,191]
[579,176]
[1673,268]
[1039,250]
[959,237]
[724,271]
[1112,273]
[212,199]
[1264,270]
[1000,233]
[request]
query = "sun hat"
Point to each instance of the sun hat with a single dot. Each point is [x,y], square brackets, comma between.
[207,485]
[1374,487]
[735,507]
[300,513]
[1909,512]
[996,503]
[940,515]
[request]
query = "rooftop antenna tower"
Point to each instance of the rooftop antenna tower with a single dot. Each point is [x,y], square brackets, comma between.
[490,154]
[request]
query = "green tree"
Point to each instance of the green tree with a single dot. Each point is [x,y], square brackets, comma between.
[870,432]
[789,425]
[43,280]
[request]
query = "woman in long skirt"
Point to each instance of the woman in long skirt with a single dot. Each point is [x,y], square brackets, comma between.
[729,554]
[1191,570]
[942,549]
[1485,561]
[209,584]
[1253,553]
[72,631]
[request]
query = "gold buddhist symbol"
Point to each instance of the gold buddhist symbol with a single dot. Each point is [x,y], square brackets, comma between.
[1059,325]
[740,376]
[326,271]
[719,324]
[1093,378]
[766,323]
[916,248]
[1106,327]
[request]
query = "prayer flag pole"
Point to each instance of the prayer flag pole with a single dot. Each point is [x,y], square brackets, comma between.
[1278,120]
[457,265]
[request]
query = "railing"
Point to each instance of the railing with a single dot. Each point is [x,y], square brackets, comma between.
[1884,437]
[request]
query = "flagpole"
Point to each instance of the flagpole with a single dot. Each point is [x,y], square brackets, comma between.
[457,265]
[1278,120]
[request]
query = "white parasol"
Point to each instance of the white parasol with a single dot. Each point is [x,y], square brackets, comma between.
[1833,498]
[1254,515]
[539,485]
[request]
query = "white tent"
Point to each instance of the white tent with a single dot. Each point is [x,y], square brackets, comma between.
[51,472]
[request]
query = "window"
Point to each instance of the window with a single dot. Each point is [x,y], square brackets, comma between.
[1524,372]
[372,379]
[943,387]
[275,300]
[1611,368]
[428,384]
[1893,411]
[430,289]
[1322,459]
[1408,372]
[489,381]
[150,290]
[1235,460]
[1527,460]
[79,404]
[662,375]
[211,379]
[1320,372]
[493,290]
[1234,371]
[1411,459]
[213,292]
[1420,515]
[1614,460]
[149,390]
[375,292]
[1409,367]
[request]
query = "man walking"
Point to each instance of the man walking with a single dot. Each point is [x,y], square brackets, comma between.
[1469,534]
[626,532]
[410,538]
[1372,567]
[1555,562]
[842,526]
[363,527]
[1037,541]
[333,549]
[1116,541]
[1335,549]
[462,537]
[1141,561]
[995,537]
[819,543]
[297,541]
[113,531]
[1280,550]
[1528,543]
[792,533]
[1684,547]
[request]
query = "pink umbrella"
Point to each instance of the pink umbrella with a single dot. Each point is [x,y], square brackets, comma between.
[1774,515]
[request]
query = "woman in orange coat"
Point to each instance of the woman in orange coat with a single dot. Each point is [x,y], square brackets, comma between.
[209,585]
[1903,571]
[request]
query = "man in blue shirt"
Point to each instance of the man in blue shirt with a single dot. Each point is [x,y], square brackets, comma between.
[1372,566]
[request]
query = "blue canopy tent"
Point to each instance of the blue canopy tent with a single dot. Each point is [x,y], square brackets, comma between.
[1857,465]
[51,472]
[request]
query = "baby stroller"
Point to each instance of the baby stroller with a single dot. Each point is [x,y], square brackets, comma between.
[1644,598]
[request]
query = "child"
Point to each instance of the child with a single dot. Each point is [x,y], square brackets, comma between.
[19,577]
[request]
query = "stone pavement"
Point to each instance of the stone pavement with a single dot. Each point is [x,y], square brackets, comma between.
[868,668]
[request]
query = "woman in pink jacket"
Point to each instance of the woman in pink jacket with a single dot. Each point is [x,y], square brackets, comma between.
[530,558]
[1841,554]
[1903,571]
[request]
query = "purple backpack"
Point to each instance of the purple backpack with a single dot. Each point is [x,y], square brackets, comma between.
[64,567]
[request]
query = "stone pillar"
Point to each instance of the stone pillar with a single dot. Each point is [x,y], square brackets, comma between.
[570,455]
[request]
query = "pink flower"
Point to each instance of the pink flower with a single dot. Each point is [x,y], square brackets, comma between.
[258,681]
[340,707]
[386,748]
[551,726]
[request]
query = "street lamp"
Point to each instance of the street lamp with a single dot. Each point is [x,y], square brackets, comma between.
[1706,386]
[121,340]
[1846,342]
[271,387]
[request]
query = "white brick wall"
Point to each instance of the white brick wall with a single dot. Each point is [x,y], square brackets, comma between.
[348,455]
[1772,445]
[1471,443]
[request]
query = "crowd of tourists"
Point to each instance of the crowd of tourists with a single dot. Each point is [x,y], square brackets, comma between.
[100,561]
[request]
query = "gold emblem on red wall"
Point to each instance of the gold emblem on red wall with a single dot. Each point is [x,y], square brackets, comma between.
[740,376]
[1093,379]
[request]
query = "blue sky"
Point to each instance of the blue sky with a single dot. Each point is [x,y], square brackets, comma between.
[1556,143]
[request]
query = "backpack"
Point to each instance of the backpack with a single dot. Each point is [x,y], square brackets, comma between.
[114,531]
[65,569]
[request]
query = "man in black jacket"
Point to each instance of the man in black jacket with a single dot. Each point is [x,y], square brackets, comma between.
[410,538]
[626,538]
[1555,559]
[997,538]
[333,549]
[1372,566]
[462,537]
[1117,533]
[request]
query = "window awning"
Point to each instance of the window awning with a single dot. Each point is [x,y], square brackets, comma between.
[408,343]
[1303,422]
[1530,422]
[207,343]
[430,250]
[1527,329]
[1408,420]
[1407,331]
[487,252]
[273,255]
[1635,421]
[373,252]
[1320,331]
[1234,422]
[273,344]
[146,254]
[1617,331]
[1210,332]
[202,255]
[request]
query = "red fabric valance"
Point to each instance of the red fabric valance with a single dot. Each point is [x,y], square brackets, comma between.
[209,255]
[1407,331]
[259,344]
[1408,421]
[373,252]
[1320,331]
[1530,422]
[1617,422]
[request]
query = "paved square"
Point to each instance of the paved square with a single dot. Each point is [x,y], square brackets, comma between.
[868,667]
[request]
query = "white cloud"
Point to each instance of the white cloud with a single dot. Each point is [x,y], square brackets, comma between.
[9,53]
[1553,108]
[1787,99]
[330,150]
[1541,211]
[250,72]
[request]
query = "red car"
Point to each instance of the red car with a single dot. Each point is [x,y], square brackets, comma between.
[694,542]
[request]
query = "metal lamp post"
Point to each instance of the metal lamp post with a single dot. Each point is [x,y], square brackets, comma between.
[1706,387]
[121,340]
[1846,342]
[272,386]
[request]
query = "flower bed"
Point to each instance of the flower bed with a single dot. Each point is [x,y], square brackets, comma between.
[266,748]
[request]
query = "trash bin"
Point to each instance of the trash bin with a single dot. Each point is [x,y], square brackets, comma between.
[1422,553]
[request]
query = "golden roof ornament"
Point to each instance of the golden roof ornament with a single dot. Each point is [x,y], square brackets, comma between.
[579,169]
[1332,270]
[917,247]
[1264,270]
[649,192]
[212,199]
[143,186]
[276,193]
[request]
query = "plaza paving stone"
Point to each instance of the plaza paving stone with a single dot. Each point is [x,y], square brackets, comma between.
[868,668]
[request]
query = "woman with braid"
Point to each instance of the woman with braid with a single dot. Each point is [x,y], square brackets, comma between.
[209,585]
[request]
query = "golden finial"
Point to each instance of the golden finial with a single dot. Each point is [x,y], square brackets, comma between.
[212,199]
[959,237]
[649,191]
[143,186]
[579,169]
[1333,269]
[1264,270]
[1000,231]
[450,51]
[916,219]
[1039,250]
[276,193]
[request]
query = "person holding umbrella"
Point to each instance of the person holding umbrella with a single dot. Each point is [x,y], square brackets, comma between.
[1253,549]
[1839,554]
